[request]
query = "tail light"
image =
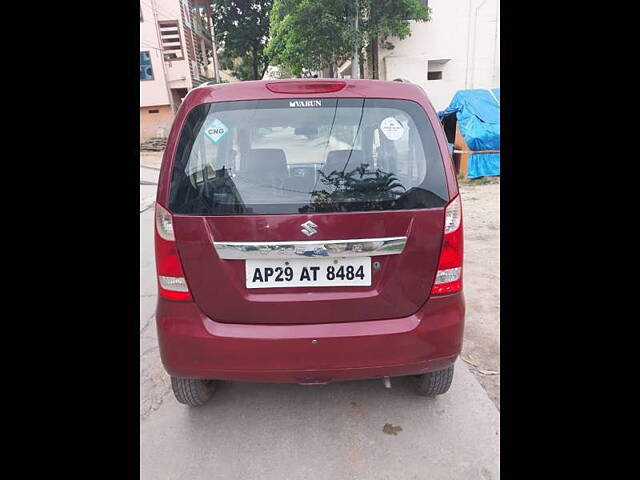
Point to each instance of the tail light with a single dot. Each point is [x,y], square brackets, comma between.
[449,275]
[306,87]
[171,281]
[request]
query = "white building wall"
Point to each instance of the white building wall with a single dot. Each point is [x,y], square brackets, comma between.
[462,31]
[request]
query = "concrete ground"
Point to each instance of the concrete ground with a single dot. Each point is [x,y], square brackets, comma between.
[481,217]
[343,430]
[149,170]
[151,159]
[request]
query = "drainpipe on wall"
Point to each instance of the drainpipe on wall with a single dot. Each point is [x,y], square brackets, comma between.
[466,68]
[355,63]
[495,47]
[214,47]
[203,47]
[475,30]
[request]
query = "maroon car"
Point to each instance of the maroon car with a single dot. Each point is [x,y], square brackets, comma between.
[308,231]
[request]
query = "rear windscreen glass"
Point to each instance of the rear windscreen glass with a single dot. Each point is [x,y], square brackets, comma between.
[305,156]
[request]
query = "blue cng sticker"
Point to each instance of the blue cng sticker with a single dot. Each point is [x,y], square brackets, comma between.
[216,130]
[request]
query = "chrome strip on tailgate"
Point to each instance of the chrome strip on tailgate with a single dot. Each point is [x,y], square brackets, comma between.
[365,247]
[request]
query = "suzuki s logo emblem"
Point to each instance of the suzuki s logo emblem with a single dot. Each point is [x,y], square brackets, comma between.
[309,228]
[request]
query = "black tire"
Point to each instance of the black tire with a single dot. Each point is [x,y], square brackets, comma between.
[434,383]
[191,391]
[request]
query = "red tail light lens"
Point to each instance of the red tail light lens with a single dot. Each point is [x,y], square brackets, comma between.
[171,281]
[449,275]
[306,87]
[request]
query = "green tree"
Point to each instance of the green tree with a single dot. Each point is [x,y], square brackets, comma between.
[383,19]
[310,34]
[242,27]
[314,34]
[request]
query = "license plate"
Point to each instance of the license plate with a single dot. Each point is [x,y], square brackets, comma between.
[302,272]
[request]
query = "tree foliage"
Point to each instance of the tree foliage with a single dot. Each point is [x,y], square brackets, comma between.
[360,188]
[242,29]
[313,34]
[383,19]
[309,34]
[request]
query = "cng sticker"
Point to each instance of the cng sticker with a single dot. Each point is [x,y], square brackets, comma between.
[216,130]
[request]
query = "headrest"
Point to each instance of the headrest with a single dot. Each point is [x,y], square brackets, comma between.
[336,160]
[267,160]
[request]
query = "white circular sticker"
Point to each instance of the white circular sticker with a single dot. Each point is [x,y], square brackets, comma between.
[391,128]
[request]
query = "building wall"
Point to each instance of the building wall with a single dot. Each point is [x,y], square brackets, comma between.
[470,43]
[152,92]
[155,124]
[178,71]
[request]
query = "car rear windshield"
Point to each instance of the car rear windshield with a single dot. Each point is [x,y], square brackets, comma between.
[306,156]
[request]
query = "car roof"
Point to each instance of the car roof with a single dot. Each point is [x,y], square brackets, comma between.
[257,90]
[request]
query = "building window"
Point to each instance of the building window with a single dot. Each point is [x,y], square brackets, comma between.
[154,111]
[171,41]
[146,70]
[436,68]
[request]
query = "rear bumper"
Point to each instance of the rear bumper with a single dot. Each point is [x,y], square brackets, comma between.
[193,345]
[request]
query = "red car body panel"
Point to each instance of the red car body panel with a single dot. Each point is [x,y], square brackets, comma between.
[390,328]
[195,346]
[399,288]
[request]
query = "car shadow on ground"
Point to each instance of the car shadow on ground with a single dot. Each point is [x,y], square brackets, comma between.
[354,429]
[318,409]
[329,408]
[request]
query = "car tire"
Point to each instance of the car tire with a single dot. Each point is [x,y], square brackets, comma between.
[434,383]
[192,391]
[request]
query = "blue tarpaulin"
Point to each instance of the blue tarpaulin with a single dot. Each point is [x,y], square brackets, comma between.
[478,115]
